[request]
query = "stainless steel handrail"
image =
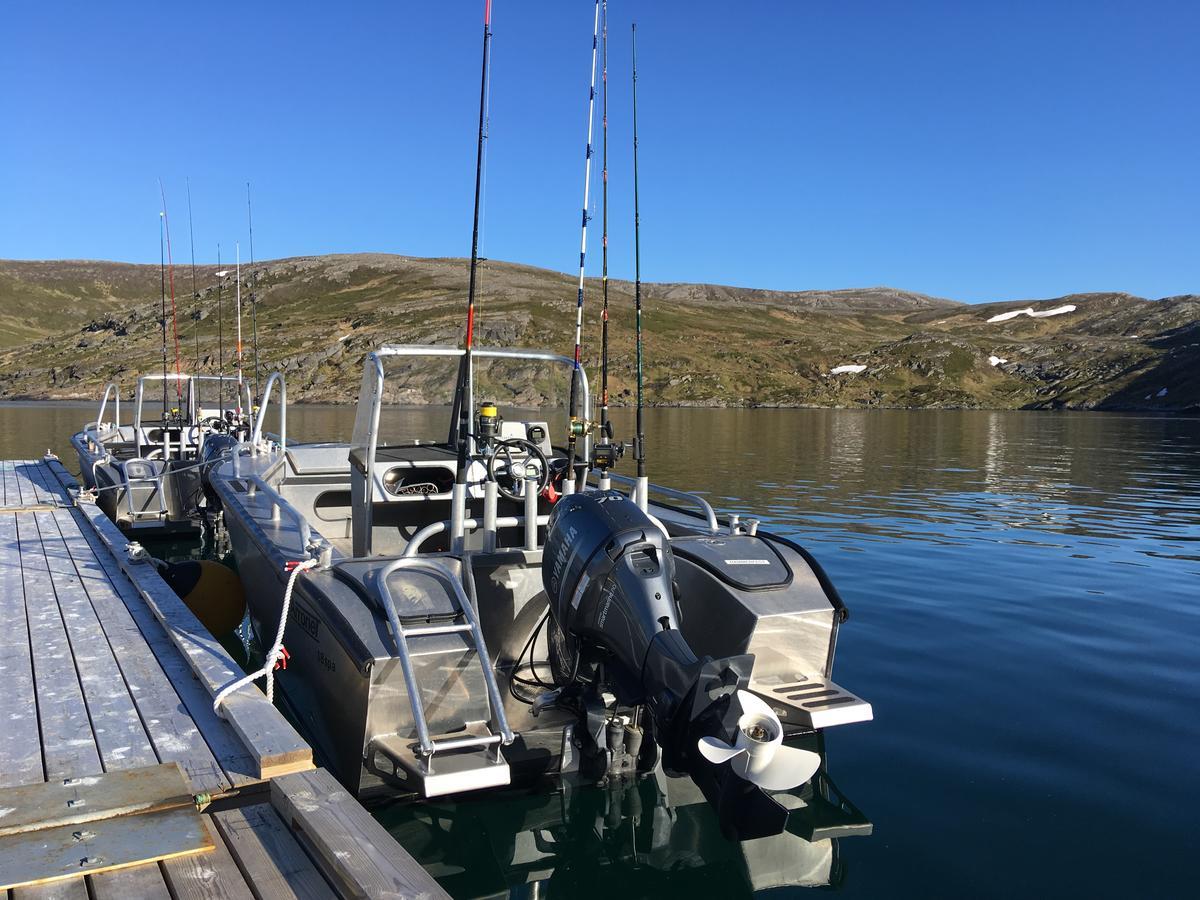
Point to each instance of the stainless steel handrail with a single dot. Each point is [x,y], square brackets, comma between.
[495,702]
[116,392]
[705,507]
[254,484]
[375,359]
[415,542]
[256,434]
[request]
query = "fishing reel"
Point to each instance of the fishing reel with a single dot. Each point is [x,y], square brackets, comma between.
[488,423]
[605,452]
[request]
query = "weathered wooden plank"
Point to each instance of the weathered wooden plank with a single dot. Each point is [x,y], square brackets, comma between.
[174,734]
[33,471]
[213,876]
[274,864]
[20,739]
[116,725]
[30,495]
[64,889]
[56,492]
[355,852]
[12,491]
[234,760]
[75,801]
[268,736]
[70,850]
[145,882]
[68,745]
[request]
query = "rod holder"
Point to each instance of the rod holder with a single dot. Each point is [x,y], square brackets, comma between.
[531,501]
[458,509]
[490,496]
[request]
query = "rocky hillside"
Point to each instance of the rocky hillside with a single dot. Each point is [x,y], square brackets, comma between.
[67,327]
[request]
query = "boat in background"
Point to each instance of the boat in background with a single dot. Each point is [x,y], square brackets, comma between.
[147,474]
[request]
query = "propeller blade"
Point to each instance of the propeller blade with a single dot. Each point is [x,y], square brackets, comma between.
[717,751]
[789,767]
[752,704]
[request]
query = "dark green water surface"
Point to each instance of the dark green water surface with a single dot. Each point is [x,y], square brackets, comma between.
[1024,591]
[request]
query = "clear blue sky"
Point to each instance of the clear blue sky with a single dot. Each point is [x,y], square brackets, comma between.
[970,150]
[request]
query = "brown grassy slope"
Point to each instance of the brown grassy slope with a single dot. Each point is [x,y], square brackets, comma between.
[705,344]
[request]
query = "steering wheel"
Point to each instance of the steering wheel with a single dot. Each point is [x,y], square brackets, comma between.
[510,473]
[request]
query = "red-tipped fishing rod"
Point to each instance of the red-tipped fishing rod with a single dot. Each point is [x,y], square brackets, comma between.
[639,442]
[466,374]
[579,418]
[171,276]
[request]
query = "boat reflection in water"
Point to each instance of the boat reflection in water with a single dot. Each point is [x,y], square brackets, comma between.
[654,836]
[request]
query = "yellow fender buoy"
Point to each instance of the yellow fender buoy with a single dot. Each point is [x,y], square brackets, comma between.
[212,591]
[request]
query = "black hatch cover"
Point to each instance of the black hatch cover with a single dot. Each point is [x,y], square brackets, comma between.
[744,561]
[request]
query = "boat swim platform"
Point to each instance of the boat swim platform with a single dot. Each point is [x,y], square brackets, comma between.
[117,778]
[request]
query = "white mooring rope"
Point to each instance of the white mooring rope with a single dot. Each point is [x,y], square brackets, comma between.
[276,650]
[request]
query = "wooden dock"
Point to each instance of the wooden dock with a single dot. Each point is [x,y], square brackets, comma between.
[107,676]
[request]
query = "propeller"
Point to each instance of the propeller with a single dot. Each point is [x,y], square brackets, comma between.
[759,755]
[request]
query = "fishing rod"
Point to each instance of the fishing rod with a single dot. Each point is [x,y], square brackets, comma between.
[253,296]
[238,250]
[221,273]
[639,441]
[162,279]
[464,398]
[171,277]
[579,423]
[605,427]
[195,293]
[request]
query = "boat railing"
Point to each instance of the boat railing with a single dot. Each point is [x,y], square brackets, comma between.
[99,425]
[491,523]
[372,393]
[257,434]
[413,547]
[695,499]
[279,506]
[439,570]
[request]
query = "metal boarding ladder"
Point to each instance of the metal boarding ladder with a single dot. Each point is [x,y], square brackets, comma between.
[463,772]
[159,481]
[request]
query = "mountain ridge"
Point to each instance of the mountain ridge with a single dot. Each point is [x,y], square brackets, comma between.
[68,326]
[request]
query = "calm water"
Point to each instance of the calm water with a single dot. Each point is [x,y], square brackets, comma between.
[1024,592]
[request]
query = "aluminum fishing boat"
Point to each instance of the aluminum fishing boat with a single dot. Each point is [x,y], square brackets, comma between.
[147,473]
[468,626]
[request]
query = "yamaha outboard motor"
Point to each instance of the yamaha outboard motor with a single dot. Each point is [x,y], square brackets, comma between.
[609,575]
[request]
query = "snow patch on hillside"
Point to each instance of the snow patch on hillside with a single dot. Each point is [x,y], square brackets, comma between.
[1032,313]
